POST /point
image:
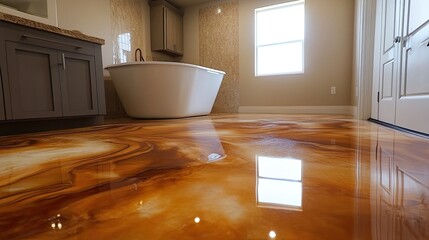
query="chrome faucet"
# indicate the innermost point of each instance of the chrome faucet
(140, 54)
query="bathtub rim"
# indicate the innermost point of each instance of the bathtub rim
(163, 63)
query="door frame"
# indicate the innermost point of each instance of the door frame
(365, 17)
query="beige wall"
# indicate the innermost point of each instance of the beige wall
(328, 56)
(89, 17)
(191, 44)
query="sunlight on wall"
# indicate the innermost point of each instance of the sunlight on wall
(127, 29)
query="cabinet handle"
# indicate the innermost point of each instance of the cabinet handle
(51, 41)
(64, 61)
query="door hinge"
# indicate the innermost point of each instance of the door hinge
(378, 96)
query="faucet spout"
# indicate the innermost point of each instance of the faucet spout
(138, 50)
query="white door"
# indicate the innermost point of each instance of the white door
(413, 104)
(389, 64)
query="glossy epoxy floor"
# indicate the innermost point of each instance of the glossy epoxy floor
(216, 177)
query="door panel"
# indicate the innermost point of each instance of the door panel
(78, 83)
(389, 24)
(389, 61)
(418, 10)
(388, 77)
(33, 81)
(414, 83)
(387, 93)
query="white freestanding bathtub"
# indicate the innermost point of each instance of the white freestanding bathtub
(165, 89)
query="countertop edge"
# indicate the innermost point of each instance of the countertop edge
(49, 28)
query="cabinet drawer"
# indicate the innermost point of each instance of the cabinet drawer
(29, 36)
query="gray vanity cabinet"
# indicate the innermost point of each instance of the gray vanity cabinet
(47, 75)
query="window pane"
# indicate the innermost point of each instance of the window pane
(281, 58)
(280, 24)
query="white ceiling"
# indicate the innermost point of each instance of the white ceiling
(187, 3)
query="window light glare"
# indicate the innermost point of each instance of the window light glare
(279, 182)
(279, 39)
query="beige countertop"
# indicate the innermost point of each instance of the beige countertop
(49, 28)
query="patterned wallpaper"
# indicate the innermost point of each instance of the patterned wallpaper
(127, 29)
(219, 39)
(128, 34)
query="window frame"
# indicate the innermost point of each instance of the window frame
(302, 41)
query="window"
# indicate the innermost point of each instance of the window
(44, 11)
(37, 8)
(279, 39)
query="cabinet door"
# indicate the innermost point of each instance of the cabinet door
(169, 29)
(78, 84)
(173, 31)
(33, 80)
(2, 116)
(178, 34)
(157, 24)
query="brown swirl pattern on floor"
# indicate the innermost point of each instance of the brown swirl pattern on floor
(205, 178)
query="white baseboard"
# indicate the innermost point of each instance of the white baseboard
(354, 111)
(342, 110)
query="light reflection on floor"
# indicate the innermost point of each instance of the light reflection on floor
(216, 177)
(279, 182)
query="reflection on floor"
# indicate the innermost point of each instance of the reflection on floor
(216, 177)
